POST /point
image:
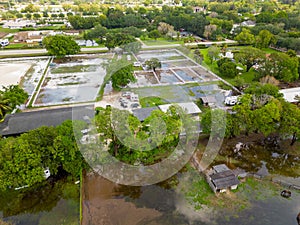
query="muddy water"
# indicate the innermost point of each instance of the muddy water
(164, 204)
(51, 203)
(111, 204)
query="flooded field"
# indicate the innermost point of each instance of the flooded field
(175, 69)
(51, 203)
(74, 81)
(160, 55)
(26, 72)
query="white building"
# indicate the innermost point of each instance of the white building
(289, 94)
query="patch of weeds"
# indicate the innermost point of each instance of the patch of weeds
(191, 93)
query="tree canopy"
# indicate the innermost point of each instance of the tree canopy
(24, 158)
(10, 97)
(60, 45)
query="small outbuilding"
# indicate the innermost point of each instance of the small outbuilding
(208, 100)
(222, 178)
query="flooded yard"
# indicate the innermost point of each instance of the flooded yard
(145, 78)
(160, 55)
(167, 77)
(78, 80)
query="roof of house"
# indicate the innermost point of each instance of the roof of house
(289, 94)
(143, 113)
(208, 99)
(19, 123)
(189, 107)
(224, 179)
(220, 168)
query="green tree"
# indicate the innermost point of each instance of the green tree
(290, 121)
(264, 39)
(154, 34)
(266, 118)
(122, 77)
(4, 107)
(213, 122)
(60, 45)
(260, 89)
(245, 37)
(244, 114)
(213, 53)
(228, 69)
(97, 32)
(153, 63)
(281, 66)
(10, 97)
(118, 39)
(249, 57)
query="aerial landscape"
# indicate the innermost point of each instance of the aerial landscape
(150, 112)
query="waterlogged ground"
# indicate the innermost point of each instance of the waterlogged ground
(51, 203)
(184, 199)
(187, 199)
(77, 80)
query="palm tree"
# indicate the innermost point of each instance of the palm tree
(4, 107)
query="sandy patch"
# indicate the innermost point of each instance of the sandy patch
(11, 73)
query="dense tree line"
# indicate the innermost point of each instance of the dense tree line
(259, 112)
(24, 158)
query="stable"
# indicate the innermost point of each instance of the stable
(222, 179)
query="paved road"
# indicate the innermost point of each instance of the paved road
(40, 51)
(43, 51)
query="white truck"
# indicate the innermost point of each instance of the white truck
(232, 100)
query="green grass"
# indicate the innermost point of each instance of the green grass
(7, 30)
(151, 101)
(161, 41)
(16, 46)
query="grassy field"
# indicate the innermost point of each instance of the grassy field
(247, 76)
(7, 30)
(160, 41)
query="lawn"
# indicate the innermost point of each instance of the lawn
(151, 101)
(161, 41)
(16, 46)
(247, 76)
(7, 30)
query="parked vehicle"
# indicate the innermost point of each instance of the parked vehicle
(4, 42)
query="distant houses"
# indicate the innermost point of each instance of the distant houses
(18, 24)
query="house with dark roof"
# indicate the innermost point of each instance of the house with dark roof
(18, 123)
(221, 179)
